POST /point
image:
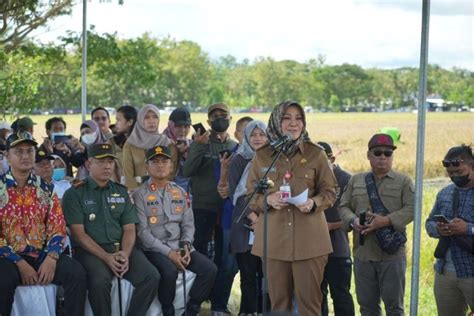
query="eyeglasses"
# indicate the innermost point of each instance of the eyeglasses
(378, 153)
(454, 163)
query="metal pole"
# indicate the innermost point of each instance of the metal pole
(420, 149)
(84, 61)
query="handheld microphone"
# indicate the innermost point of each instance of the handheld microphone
(362, 219)
(282, 141)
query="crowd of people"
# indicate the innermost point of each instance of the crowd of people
(145, 205)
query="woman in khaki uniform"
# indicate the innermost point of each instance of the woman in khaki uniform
(145, 135)
(298, 237)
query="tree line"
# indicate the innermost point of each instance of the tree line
(168, 72)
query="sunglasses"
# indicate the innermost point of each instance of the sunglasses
(378, 153)
(454, 163)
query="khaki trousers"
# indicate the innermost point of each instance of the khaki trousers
(300, 279)
(454, 296)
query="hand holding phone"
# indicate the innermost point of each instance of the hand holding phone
(225, 153)
(199, 128)
(58, 139)
(441, 219)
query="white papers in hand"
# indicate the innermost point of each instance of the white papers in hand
(299, 199)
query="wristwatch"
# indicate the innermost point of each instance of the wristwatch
(53, 255)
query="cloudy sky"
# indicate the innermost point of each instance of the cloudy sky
(370, 33)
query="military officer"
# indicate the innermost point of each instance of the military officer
(166, 225)
(102, 217)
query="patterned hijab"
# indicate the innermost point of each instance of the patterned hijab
(140, 138)
(245, 150)
(274, 131)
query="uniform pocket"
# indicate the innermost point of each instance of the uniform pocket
(306, 175)
(359, 190)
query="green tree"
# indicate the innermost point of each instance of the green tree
(18, 18)
(19, 81)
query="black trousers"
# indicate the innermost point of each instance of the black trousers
(204, 269)
(337, 275)
(69, 274)
(204, 222)
(251, 275)
(141, 273)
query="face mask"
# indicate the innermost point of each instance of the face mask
(89, 139)
(53, 135)
(460, 181)
(59, 174)
(220, 125)
(4, 165)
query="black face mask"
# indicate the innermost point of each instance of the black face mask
(220, 125)
(460, 181)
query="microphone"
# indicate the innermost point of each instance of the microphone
(282, 141)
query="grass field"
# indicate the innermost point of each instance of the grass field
(349, 133)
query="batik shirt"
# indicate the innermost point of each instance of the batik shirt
(31, 219)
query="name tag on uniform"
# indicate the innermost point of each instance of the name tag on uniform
(89, 202)
(264, 169)
(111, 199)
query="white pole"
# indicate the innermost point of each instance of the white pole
(420, 149)
(84, 61)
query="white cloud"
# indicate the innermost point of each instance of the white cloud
(365, 32)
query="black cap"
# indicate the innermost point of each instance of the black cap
(180, 116)
(25, 123)
(156, 151)
(327, 148)
(99, 151)
(42, 155)
(20, 137)
(381, 140)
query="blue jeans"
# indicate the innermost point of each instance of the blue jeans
(226, 270)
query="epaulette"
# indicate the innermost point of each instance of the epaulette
(120, 185)
(175, 185)
(77, 183)
(315, 145)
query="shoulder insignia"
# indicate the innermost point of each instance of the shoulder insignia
(120, 185)
(76, 183)
(315, 145)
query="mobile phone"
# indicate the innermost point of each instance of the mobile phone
(362, 220)
(200, 127)
(61, 138)
(441, 219)
(223, 152)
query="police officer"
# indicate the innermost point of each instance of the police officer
(32, 233)
(166, 225)
(100, 215)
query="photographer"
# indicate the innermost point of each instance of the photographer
(59, 143)
(379, 261)
(452, 222)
